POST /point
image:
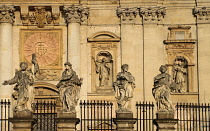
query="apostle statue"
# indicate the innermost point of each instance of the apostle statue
(161, 91)
(124, 87)
(180, 74)
(24, 79)
(103, 69)
(69, 89)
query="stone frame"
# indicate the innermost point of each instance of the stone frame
(103, 41)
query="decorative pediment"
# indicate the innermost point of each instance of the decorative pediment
(104, 36)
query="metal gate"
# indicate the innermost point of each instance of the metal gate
(4, 115)
(96, 116)
(45, 114)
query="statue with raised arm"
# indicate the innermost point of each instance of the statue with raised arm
(161, 91)
(69, 89)
(124, 87)
(24, 80)
(103, 69)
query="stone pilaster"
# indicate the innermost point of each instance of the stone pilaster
(6, 21)
(202, 14)
(67, 122)
(74, 15)
(127, 19)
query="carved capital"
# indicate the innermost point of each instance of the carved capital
(202, 14)
(152, 14)
(7, 14)
(127, 14)
(75, 14)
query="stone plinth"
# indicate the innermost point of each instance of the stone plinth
(67, 122)
(165, 121)
(125, 121)
(22, 121)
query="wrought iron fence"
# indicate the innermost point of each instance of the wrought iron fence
(96, 115)
(45, 114)
(193, 117)
(145, 116)
(4, 115)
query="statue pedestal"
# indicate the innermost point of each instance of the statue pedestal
(67, 121)
(124, 121)
(165, 121)
(22, 121)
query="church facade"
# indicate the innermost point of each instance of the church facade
(98, 36)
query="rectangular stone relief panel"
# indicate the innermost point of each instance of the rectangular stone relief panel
(47, 45)
(103, 67)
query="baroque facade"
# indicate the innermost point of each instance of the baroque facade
(98, 36)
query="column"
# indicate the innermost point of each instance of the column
(203, 52)
(151, 47)
(6, 21)
(74, 15)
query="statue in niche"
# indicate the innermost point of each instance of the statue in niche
(161, 90)
(24, 80)
(103, 68)
(179, 74)
(69, 89)
(124, 87)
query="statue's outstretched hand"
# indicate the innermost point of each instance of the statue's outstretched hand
(5, 83)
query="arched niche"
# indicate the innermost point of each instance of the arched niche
(104, 50)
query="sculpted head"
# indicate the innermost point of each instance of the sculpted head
(23, 66)
(68, 65)
(163, 69)
(125, 67)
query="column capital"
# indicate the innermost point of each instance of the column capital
(127, 14)
(152, 14)
(202, 14)
(7, 14)
(75, 13)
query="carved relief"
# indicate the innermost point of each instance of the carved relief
(202, 14)
(75, 13)
(7, 14)
(152, 14)
(47, 47)
(40, 16)
(127, 14)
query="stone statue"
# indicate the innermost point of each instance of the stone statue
(103, 69)
(161, 91)
(69, 89)
(179, 74)
(24, 80)
(124, 87)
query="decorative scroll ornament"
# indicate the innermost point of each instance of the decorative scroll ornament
(127, 13)
(75, 14)
(152, 13)
(7, 14)
(202, 13)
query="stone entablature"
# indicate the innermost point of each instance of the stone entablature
(202, 14)
(7, 14)
(75, 13)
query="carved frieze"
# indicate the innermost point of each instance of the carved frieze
(75, 13)
(40, 16)
(202, 14)
(152, 14)
(127, 14)
(7, 14)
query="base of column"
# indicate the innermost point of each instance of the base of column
(165, 121)
(67, 122)
(22, 121)
(125, 121)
